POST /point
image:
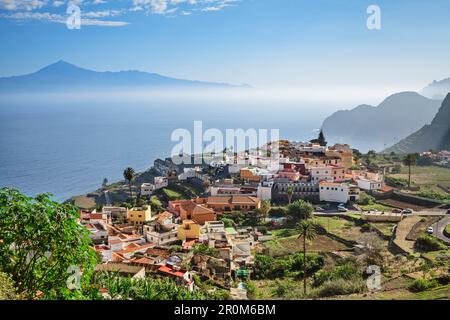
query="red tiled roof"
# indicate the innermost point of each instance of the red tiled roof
(171, 271)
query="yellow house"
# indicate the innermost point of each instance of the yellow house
(138, 216)
(342, 151)
(189, 230)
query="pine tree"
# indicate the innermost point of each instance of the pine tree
(321, 139)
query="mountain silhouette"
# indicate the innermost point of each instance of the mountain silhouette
(367, 127)
(435, 136)
(62, 76)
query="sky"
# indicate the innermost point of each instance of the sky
(265, 43)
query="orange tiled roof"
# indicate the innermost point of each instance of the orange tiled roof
(169, 270)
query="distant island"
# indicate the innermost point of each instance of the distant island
(64, 76)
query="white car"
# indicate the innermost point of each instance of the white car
(342, 209)
(407, 211)
(430, 230)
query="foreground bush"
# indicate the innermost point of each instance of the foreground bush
(339, 287)
(125, 288)
(42, 244)
(267, 267)
(426, 242)
(7, 290)
(420, 285)
(346, 271)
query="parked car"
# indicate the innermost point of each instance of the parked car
(408, 211)
(320, 209)
(342, 209)
(397, 211)
(430, 230)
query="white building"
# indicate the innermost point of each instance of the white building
(308, 147)
(115, 212)
(188, 173)
(264, 191)
(319, 174)
(147, 189)
(105, 252)
(161, 182)
(338, 192)
(370, 181)
(98, 232)
(163, 231)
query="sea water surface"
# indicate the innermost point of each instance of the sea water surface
(65, 148)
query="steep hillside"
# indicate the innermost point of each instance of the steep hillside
(435, 136)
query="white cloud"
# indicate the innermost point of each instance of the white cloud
(57, 3)
(22, 4)
(87, 20)
(170, 6)
(103, 23)
(54, 10)
(101, 14)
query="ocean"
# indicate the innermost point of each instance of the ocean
(66, 147)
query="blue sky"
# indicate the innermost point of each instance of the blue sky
(265, 43)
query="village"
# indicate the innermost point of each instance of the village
(232, 224)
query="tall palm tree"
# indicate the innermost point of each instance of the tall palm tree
(308, 231)
(129, 175)
(410, 160)
(265, 208)
(290, 193)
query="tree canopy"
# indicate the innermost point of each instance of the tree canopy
(42, 244)
(299, 209)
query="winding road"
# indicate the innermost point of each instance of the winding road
(439, 229)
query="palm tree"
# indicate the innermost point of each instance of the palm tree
(308, 231)
(290, 192)
(129, 174)
(265, 208)
(410, 160)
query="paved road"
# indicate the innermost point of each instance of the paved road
(439, 229)
(430, 213)
(402, 231)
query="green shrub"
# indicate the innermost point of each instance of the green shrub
(444, 280)
(420, 285)
(7, 288)
(339, 287)
(426, 242)
(227, 222)
(431, 194)
(277, 212)
(262, 229)
(366, 227)
(396, 182)
(366, 199)
(347, 271)
(267, 267)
